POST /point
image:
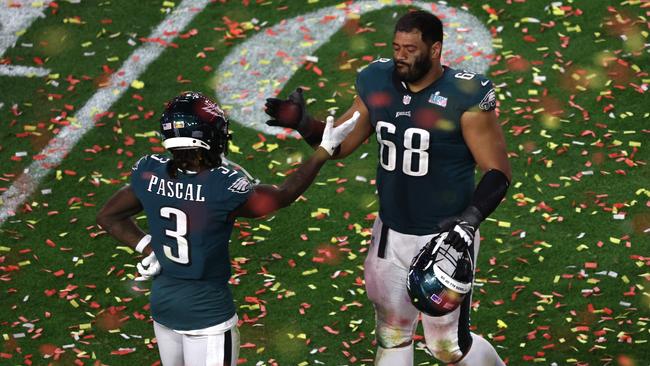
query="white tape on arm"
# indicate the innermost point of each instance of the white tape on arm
(143, 243)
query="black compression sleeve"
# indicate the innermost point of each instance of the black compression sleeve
(487, 196)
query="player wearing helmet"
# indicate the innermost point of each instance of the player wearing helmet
(191, 200)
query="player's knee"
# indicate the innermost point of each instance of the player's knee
(393, 338)
(445, 351)
(395, 331)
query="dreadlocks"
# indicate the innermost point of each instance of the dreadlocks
(191, 159)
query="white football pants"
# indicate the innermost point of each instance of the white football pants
(386, 270)
(197, 350)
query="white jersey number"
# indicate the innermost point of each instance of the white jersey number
(466, 75)
(183, 256)
(386, 146)
(388, 150)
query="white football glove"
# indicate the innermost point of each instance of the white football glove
(148, 268)
(333, 136)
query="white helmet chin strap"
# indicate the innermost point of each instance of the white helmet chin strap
(184, 142)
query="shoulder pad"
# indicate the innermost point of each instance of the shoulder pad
(382, 60)
(160, 158)
(235, 181)
(478, 90)
(143, 160)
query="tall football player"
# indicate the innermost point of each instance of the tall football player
(433, 126)
(191, 201)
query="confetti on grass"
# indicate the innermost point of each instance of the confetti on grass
(563, 272)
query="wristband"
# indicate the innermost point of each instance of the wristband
(143, 243)
(472, 216)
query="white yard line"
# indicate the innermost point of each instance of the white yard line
(16, 16)
(100, 102)
(28, 71)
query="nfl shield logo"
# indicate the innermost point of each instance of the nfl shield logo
(406, 100)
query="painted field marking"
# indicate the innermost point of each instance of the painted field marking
(101, 101)
(15, 17)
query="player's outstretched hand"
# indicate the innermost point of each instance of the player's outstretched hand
(288, 112)
(333, 136)
(148, 268)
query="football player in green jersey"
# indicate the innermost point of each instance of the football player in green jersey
(191, 200)
(433, 125)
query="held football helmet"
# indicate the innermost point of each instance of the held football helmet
(440, 277)
(192, 120)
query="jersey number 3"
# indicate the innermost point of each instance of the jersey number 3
(183, 256)
(388, 150)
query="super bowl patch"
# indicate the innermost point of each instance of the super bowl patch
(438, 99)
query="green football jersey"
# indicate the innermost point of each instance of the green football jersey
(425, 171)
(190, 230)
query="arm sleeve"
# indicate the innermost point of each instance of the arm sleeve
(360, 85)
(237, 192)
(364, 78)
(480, 94)
(138, 174)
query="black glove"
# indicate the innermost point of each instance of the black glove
(289, 113)
(462, 229)
(461, 235)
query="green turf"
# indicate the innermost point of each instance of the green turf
(553, 244)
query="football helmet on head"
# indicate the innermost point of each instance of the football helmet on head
(440, 277)
(192, 120)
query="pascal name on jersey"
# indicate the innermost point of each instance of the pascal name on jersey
(179, 190)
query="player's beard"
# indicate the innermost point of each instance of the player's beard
(415, 72)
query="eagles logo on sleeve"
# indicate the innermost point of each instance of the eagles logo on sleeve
(241, 185)
(137, 163)
(489, 101)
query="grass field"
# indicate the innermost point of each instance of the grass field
(563, 275)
